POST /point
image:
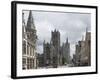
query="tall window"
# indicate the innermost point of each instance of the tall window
(33, 63)
(28, 49)
(33, 52)
(24, 47)
(24, 63)
(28, 63)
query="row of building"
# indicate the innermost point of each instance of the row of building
(54, 54)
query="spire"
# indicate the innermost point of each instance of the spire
(86, 29)
(67, 40)
(44, 42)
(55, 30)
(30, 22)
(23, 23)
(50, 41)
(23, 20)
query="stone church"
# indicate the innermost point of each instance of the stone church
(54, 54)
(29, 39)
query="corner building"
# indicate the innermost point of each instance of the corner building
(29, 39)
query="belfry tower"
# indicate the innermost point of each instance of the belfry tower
(55, 38)
(29, 56)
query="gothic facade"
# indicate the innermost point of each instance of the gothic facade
(66, 53)
(29, 39)
(54, 53)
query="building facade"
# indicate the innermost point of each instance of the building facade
(82, 55)
(29, 39)
(66, 53)
(86, 52)
(40, 60)
(52, 50)
(47, 54)
(54, 54)
(55, 40)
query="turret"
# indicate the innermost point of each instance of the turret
(30, 22)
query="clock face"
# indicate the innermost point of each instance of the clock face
(31, 36)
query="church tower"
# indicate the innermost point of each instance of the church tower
(66, 52)
(55, 38)
(30, 32)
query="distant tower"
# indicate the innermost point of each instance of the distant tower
(30, 32)
(86, 29)
(66, 52)
(67, 48)
(88, 47)
(88, 35)
(55, 38)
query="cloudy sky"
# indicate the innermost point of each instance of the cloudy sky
(71, 25)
